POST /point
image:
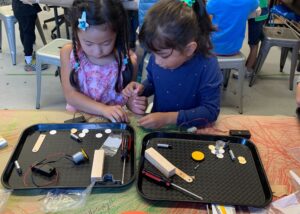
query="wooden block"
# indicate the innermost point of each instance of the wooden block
(161, 163)
(97, 168)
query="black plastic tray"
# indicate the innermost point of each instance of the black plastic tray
(220, 181)
(70, 175)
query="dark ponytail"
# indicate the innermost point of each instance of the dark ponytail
(173, 24)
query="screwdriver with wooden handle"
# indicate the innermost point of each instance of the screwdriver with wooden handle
(164, 182)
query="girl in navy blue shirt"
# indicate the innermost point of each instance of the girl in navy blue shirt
(183, 75)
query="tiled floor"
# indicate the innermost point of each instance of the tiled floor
(269, 96)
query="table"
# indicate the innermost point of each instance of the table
(276, 137)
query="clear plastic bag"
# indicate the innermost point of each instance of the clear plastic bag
(112, 144)
(66, 199)
(4, 195)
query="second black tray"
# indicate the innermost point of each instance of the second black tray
(220, 181)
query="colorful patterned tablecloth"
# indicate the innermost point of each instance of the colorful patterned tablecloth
(276, 137)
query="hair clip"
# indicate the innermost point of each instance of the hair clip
(76, 66)
(125, 60)
(82, 24)
(188, 2)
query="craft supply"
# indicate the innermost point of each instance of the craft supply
(38, 143)
(149, 108)
(3, 142)
(98, 164)
(220, 156)
(192, 129)
(211, 147)
(221, 151)
(126, 145)
(167, 183)
(196, 167)
(85, 131)
(44, 169)
(218, 149)
(53, 132)
(82, 135)
(80, 156)
(99, 135)
(198, 156)
(112, 144)
(73, 131)
(164, 166)
(107, 131)
(220, 144)
(75, 137)
(161, 163)
(242, 160)
(231, 154)
(221, 209)
(164, 145)
(18, 168)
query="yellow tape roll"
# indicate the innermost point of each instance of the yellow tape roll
(198, 156)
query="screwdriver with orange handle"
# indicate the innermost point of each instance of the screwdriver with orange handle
(164, 182)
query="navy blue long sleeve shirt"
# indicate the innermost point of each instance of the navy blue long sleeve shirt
(193, 90)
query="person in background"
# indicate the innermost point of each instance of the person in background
(132, 15)
(98, 64)
(183, 75)
(144, 6)
(255, 35)
(230, 18)
(26, 16)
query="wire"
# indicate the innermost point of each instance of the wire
(43, 162)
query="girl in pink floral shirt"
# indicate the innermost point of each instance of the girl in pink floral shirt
(98, 64)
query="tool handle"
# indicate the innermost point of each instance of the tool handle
(156, 178)
(125, 148)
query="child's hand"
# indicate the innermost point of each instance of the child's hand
(153, 120)
(115, 113)
(133, 89)
(137, 104)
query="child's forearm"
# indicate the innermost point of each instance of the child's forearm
(85, 104)
(171, 118)
(199, 116)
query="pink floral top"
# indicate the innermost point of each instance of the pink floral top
(98, 81)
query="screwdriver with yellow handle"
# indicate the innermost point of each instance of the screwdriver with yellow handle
(164, 182)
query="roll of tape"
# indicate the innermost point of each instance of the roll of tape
(80, 157)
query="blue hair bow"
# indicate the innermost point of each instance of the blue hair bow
(82, 24)
(76, 66)
(125, 60)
